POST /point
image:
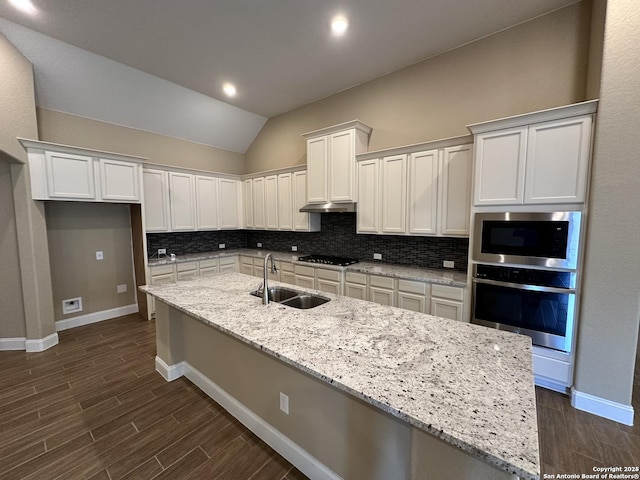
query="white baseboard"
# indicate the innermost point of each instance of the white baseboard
(12, 343)
(602, 407)
(41, 344)
(89, 318)
(169, 372)
(550, 384)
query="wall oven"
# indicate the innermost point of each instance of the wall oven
(538, 303)
(541, 239)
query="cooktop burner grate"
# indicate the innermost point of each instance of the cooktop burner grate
(328, 260)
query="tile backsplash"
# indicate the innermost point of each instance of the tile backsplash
(337, 237)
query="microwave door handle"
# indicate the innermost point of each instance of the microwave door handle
(531, 288)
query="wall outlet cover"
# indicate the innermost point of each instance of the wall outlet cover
(377, 256)
(449, 264)
(284, 403)
(121, 288)
(294, 248)
(221, 245)
(99, 255)
(71, 305)
(259, 245)
(162, 251)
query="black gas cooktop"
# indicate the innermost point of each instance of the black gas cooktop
(328, 260)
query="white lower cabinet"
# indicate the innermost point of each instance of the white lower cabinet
(447, 302)
(305, 276)
(381, 290)
(187, 271)
(413, 295)
(355, 285)
(329, 281)
(228, 264)
(208, 267)
(287, 273)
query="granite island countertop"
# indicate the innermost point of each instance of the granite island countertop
(430, 275)
(468, 385)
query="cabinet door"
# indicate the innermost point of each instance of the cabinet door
(381, 296)
(368, 193)
(230, 200)
(299, 200)
(181, 197)
(227, 268)
(156, 200)
(342, 166)
(499, 167)
(305, 282)
(441, 307)
(411, 301)
(288, 277)
(328, 286)
(205, 272)
(206, 203)
(455, 182)
(423, 192)
(246, 268)
(285, 202)
(70, 176)
(394, 194)
(247, 189)
(119, 181)
(258, 203)
(271, 201)
(558, 154)
(355, 290)
(188, 275)
(317, 174)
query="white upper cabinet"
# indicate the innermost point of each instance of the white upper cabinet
(62, 172)
(271, 201)
(156, 200)
(537, 158)
(259, 221)
(247, 203)
(302, 221)
(206, 203)
(285, 201)
(230, 199)
(416, 190)
(368, 218)
(181, 201)
(455, 190)
(331, 167)
(423, 192)
(394, 194)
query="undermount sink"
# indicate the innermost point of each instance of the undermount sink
(292, 298)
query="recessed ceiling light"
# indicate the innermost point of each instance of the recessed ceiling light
(229, 89)
(339, 25)
(24, 5)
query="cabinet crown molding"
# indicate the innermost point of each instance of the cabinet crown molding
(357, 124)
(417, 147)
(276, 171)
(89, 152)
(557, 113)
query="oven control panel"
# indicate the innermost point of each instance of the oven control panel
(525, 276)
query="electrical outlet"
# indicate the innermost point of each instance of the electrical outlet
(121, 288)
(284, 403)
(99, 255)
(294, 248)
(448, 264)
(377, 256)
(162, 251)
(71, 305)
(259, 245)
(221, 245)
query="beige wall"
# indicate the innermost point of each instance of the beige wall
(76, 231)
(535, 65)
(69, 129)
(596, 42)
(610, 310)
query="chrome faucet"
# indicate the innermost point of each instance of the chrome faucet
(265, 284)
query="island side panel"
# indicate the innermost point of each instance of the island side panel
(352, 438)
(432, 458)
(169, 335)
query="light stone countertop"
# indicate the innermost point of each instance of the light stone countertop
(443, 277)
(469, 385)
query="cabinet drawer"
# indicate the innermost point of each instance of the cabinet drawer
(444, 291)
(412, 286)
(204, 272)
(227, 261)
(286, 267)
(208, 263)
(161, 270)
(328, 274)
(246, 260)
(360, 278)
(381, 282)
(551, 368)
(306, 271)
(186, 267)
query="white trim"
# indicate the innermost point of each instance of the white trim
(41, 344)
(550, 384)
(17, 343)
(306, 463)
(602, 407)
(170, 372)
(94, 317)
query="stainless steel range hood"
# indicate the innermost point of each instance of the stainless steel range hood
(329, 207)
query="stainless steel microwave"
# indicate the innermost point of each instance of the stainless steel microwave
(521, 238)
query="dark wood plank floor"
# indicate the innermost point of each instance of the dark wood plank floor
(93, 407)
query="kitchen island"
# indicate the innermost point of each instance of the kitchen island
(375, 392)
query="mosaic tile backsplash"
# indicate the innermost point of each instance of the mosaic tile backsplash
(337, 237)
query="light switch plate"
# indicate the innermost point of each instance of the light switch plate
(377, 256)
(221, 245)
(448, 264)
(259, 245)
(294, 248)
(99, 255)
(121, 288)
(284, 403)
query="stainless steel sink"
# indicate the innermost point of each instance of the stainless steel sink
(292, 298)
(305, 301)
(277, 294)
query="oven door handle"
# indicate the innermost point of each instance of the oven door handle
(531, 288)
